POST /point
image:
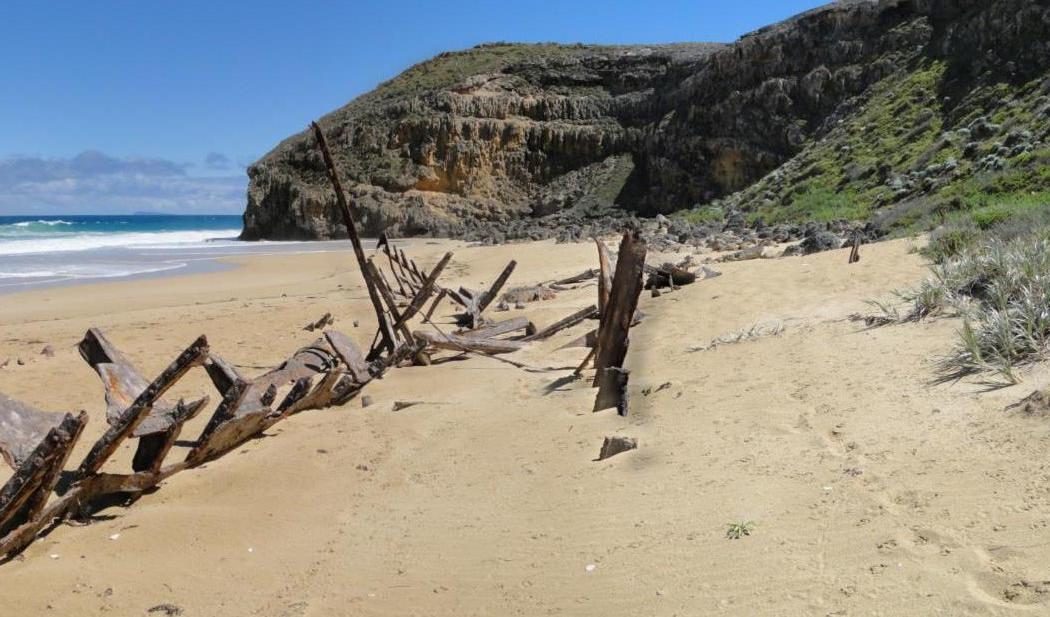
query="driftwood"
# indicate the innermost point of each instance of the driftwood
(568, 322)
(463, 343)
(501, 328)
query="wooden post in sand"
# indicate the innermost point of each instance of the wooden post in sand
(612, 342)
(388, 340)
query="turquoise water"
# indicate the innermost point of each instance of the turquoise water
(48, 250)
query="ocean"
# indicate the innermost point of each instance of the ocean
(38, 251)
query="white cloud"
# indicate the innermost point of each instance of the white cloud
(93, 182)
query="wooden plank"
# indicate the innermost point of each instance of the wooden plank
(22, 428)
(605, 275)
(462, 343)
(346, 208)
(623, 301)
(350, 354)
(487, 298)
(129, 420)
(566, 322)
(500, 328)
(26, 492)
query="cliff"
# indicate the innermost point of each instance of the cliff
(884, 109)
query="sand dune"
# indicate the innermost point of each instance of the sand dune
(870, 490)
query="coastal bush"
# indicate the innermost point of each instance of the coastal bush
(1001, 289)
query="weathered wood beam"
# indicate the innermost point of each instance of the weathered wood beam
(567, 322)
(605, 274)
(424, 292)
(346, 208)
(131, 417)
(623, 301)
(433, 307)
(22, 428)
(384, 293)
(462, 343)
(350, 354)
(493, 292)
(123, 383)
(500, 328)
(612, 390)
(26, 492)
(152, 449)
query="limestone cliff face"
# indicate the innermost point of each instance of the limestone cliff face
(503, 132)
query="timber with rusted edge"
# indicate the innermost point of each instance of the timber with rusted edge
(500, 328)
(26, 493)
(131, 417)
(614, 331)
(604, 276)
(123, 384)
(345, 207)
(453, 342)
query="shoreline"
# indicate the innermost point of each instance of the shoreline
(192, 261)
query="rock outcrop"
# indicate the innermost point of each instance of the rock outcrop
(517, 139)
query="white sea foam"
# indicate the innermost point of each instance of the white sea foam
(93, 272)
(41, 222)
(87, 241)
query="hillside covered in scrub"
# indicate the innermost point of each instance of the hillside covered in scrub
(897, 112)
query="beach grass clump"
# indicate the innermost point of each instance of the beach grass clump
(1001, 289)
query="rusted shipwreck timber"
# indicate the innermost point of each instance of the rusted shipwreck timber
(329, 371)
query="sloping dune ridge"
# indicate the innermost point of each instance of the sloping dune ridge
(870, 489)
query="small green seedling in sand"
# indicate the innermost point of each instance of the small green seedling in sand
(739, 530)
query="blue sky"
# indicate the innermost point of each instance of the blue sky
(113, 106)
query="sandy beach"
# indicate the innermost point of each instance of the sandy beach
(871, 490)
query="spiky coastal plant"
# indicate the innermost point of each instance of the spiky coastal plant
(1001, 289)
